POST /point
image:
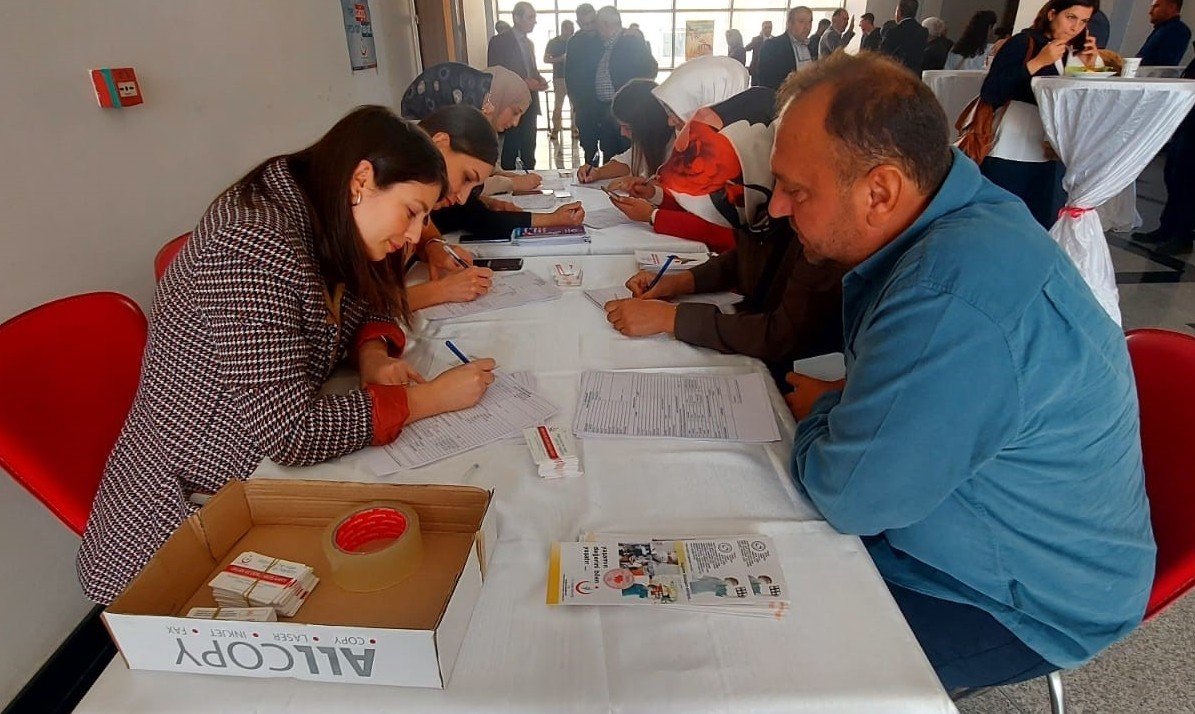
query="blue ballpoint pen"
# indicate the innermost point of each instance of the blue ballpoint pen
(663, 269)
(460, 355)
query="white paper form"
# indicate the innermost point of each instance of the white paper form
(506, 409)
(672, 406)
(507, 291)
(533, 202)
(599, 184)
(606, 217)
(723, 300)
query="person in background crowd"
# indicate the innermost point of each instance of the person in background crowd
(871, 34)
(971, 50)
(515, 51)
(1100, 28)
(580, 66)
(937, 46)
(985, 442)
(644, 122)
(287, 271)
(1174, 233)
(838, 35)
(906, 40)
(765, 34)
(1018, 161)
(634, 31)
(554, 54)
(501, 26)
(1168, 41)
(792, 51)
(815, 41)
(702, 174)
(734, 46)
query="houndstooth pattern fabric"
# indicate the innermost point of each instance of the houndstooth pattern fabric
(239, 345)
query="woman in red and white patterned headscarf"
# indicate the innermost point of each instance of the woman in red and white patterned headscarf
(285, 275)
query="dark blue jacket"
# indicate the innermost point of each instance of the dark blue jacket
(1166, 45)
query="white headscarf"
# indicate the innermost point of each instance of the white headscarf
(701, 82)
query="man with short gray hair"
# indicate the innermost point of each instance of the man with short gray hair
(790, 52)
(515, 51)
(838, 35)
(985, 443)
(937, 46)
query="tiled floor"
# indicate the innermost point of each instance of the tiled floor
(1153, 670)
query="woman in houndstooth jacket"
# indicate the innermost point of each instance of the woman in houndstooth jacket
(285, 275)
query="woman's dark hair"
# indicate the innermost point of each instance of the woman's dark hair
(1002, 31)
(398, 153)
(638, 108)
(974, 39)
(1042, 22)
(469, 132)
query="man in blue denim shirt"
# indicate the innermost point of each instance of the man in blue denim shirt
(985, 444)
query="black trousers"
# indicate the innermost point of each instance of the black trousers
(1178, 216)
(597, 129)
(519, 142)
(610, 135)
(1039, 185)
(586, 117)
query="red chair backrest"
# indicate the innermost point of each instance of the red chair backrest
(1164, 366)
(69, 370)
(166, 254)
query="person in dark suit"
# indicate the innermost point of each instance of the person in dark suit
(786, 53)
(907, 39)
(765, 34)
(815, 40)
(597, 66)
(871, 34)
(1174, 234)
(1100, 28)
(1168, 41)
(515, 51)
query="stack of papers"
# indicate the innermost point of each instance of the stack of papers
(735, 575)
(510, 290)
(653, 260)
(725, 301)
(675, 406)
(554, 451)
(256, 580)
(508, 407)
(244, 614)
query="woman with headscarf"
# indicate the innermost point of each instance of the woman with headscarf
(503, 98)
(743, 152)
(719, 176)
(500, 94)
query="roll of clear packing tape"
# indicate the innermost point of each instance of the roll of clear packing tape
(373, 546)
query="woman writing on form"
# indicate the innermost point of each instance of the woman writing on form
(285, 275)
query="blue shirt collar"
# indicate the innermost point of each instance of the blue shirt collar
(961, 184)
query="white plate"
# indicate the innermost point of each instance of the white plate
(1093, 75)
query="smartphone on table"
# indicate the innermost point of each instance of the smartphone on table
(499, 265)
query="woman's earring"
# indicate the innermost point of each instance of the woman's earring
(357, 200)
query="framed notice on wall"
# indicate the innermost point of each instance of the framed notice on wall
(358, 30)
(699, 38)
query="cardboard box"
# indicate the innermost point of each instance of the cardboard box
(406, 635)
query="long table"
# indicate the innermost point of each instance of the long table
(844, 646)
(615, 240)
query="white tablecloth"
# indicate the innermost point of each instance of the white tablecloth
(954, 90)
(1106, 132)
(1162, 71)
(843, 648)
(618, 240)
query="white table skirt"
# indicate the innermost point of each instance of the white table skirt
(1106, 132)
(954, 88)
(1162, 71)
(843, 648)
(617, 240)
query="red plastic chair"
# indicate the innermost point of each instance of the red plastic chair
(1164, 365)
(166, 254)
(69, 370)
